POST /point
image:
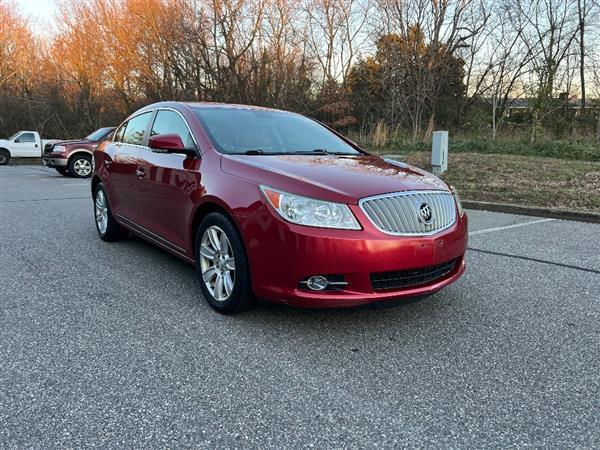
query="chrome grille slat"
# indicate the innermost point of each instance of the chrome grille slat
(398, 213)
(439, 205)
(405, 223)
(386, 212)
(381, 215)
(395, 214)
(444, 208)
(372, 214)
(409, 212)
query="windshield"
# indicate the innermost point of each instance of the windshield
(99, 134)
(14, 136)
(237, 130)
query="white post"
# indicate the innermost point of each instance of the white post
(439, 152)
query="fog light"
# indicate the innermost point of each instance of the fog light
(317, 283)
(324, 283)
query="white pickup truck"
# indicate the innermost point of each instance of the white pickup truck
(24, 144)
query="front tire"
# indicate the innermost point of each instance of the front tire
(222, 265)
(106, 225)
(4, 157)
(80, 166)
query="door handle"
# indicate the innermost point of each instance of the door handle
(140, 173)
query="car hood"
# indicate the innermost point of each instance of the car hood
(331, 177)
(76, 142)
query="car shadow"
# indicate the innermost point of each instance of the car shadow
(409, 315)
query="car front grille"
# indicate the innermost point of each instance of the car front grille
(381, 281)
(400, 213)
(48, 148)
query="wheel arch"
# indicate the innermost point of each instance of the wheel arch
(6, 154)
(80, 151)
(96, 180)
(202, 211)
(74, 156)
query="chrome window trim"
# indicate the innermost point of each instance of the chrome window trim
(154, 112)
(168, 108)
(406, 193)
(114, 136)
(151, 111)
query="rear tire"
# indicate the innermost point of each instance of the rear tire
(106, 225)
(80, 166)
(222, 265)
(4, 157)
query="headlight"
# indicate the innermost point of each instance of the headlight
(58, 149)
(457, 198)
(309, 211)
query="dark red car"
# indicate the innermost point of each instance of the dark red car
(274, 205)
(75, 157)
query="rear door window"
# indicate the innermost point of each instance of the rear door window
(135, 131)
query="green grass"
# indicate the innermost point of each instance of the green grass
(568, 150)
(524, 180)
(556, 174)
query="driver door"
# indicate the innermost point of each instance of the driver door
(164, 182)
(25, 145)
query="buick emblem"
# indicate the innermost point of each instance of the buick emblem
(425, 213)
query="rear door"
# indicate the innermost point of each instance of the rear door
(26, 145)
(130, 140)
(164, 184)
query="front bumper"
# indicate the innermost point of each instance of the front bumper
(55, 160)
(282, 255)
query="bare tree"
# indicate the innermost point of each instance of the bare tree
(551, 27)
(444, 32)
(337, 30)
(504, 60)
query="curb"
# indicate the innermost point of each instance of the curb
(563, 214)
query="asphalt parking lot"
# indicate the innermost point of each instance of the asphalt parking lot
(111, 345)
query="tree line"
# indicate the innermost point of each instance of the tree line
(372, 67)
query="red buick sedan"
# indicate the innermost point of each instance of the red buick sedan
(273, 205)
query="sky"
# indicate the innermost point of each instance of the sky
(38, 10)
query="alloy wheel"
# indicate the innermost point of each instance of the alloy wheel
(82, 167)
(217, 263)
(101, 209)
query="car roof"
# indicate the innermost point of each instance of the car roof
(229, 106)
(213, 105)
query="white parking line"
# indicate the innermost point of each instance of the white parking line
(507, 227)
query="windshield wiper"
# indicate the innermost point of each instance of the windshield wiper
(256, 151)
(318, 151)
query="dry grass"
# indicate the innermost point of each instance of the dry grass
(381, 135)
(521, 180)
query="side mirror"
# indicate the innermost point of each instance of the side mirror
(17, 141)
(169, 143)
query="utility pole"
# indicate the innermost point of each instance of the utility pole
(581, 10)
